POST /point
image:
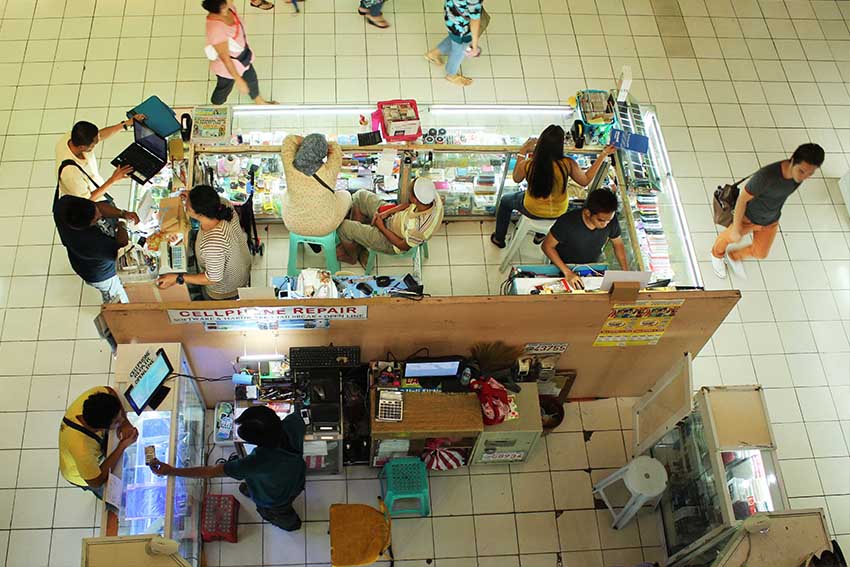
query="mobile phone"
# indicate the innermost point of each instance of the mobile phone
(150, 454)
(365, 288)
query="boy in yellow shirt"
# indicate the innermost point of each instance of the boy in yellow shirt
(83, 434)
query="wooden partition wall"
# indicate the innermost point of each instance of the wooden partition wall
(447, 325)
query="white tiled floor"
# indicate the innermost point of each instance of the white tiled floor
(736, 83)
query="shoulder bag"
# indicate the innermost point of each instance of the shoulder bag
(109, 226)
(724, 201)
(322, 183)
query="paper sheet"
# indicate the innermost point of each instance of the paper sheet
(114, 491)
(385, 163)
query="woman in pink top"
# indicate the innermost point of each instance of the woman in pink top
(234, 64)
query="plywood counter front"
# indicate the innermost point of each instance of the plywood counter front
(447, 326)
(432, 414)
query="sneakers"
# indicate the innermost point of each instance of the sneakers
(737, 267)
(459, 80)
(719, 266)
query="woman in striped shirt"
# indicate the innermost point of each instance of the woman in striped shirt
(221, 248)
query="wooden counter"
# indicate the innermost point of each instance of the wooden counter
(432, 414)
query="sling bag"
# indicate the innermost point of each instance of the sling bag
(724, 201)
(111, 224)
(322, 183)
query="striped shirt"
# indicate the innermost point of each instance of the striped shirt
(224, 257)
(415, 228)
(458, 15)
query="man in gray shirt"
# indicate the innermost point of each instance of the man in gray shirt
(759, 207)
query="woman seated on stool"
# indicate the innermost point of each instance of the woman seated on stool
(221, 247)
(547, 172)
(311, 206)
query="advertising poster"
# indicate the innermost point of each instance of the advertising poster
(637, 324)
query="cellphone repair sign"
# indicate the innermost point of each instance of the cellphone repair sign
(268, 314)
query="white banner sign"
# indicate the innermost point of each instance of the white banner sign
(259, 314)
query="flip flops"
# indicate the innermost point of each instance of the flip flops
(262, 5)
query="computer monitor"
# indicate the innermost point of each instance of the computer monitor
(150, 140)
(433, 368)
(149, 390)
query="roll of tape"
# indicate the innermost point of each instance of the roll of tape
(441, 140)
(428, 139)
(441, 132)
(432, 131)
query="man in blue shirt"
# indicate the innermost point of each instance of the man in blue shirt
(463, 21)
(274, 472)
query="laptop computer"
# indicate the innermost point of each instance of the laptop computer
(147, 155)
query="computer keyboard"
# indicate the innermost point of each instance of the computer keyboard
(145, 163)
(324, 357)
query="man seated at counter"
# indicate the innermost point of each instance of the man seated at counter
(274, 472)
(221, 247)
(391, 230)
(84, 180)
(93, 245)
(578, 236)
(82, 438)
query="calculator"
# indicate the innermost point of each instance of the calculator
(390, 405)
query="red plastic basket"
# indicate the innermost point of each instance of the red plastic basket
(218, 518)
(402, 138)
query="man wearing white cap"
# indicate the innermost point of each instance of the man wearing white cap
(391, 230)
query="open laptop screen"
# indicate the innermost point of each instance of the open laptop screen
(150, 140)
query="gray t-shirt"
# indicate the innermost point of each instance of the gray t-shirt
(770, 190)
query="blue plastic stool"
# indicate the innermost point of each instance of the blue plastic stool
(405, 478)
(414, 253)
(328, 243)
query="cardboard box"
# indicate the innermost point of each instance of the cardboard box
(172, 216)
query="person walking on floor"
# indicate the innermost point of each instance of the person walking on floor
(372, 11)
(274, 472)
(759, 207)
(542, 163)
(231, 59)
(463, 21)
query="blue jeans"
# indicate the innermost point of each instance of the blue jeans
(456, 52)
(111, 290)
(374, 9)
(97, 491)
(507, 205)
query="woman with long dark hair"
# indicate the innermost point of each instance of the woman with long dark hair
(541, 162)
(221, 248)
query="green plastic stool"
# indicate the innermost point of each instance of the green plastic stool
(405, 478)
(328, 243)
(414, 253)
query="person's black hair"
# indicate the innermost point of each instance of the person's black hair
(213, 6)
(205, 201)
(809, 153)
(547, 156)
(100, 409)
(76, 212)
(260, 426)
(83, 133)
(601, 201)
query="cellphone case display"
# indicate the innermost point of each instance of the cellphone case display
(167, 506)
(720, 458)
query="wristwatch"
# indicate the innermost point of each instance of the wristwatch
(124, 124)
(180, 279)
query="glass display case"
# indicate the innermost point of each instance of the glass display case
(471, 161)
(166, 506)
(719, 454)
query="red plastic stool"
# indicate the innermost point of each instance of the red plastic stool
(218, 518)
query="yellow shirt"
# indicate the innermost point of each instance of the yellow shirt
(556, 203)
(79, 454)
(416, 227)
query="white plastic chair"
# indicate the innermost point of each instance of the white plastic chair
(523, 228)
(645, 479)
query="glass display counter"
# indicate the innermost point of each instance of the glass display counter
(166, 506)
(471, 161)
(720, 460)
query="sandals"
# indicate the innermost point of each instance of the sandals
(262, 4)
(435, 59)
(497, 243)
(382, 23)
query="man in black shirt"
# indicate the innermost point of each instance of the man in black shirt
(578, 237)
(92, 251)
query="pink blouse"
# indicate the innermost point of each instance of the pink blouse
(220, 32)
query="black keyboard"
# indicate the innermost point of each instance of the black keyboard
(143, 162)
(324, 357)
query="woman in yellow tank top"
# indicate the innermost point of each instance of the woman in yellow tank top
(547, 173)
